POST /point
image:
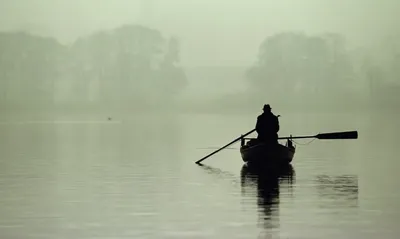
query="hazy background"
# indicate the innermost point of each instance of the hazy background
(214, 32)
(207, 49)
(91, 142)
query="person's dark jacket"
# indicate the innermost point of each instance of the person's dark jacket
(267, 126)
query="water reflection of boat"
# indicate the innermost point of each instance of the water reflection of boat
(342, 190)
(268, 186)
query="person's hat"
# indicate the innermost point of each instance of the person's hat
(267, 107)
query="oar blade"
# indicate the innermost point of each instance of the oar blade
(338, 135)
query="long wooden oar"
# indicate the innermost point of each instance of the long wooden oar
(234, 141)
(334, 135)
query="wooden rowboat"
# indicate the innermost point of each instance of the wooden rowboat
(259, 153)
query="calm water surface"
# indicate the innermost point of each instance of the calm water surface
(135, 177)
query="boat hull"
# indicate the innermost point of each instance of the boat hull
(268, 154)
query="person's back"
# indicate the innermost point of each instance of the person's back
(267, 126)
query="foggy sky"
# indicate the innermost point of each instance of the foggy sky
(213, 32)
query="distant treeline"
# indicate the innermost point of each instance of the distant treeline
(296, 70)
(136, 67)
(130, 66)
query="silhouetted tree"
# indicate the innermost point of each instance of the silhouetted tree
(28, 66)
(170, 70)
(132, 62)
(289, 60)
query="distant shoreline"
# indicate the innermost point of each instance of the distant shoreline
(206, 107)
(236, 103)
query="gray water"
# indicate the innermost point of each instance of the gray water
(135, 177)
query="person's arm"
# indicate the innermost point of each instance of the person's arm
(277, 124)
(258, 124)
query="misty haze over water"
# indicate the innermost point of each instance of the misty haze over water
(199, 54)
(105, 107)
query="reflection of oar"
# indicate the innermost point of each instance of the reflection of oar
(234, 141)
